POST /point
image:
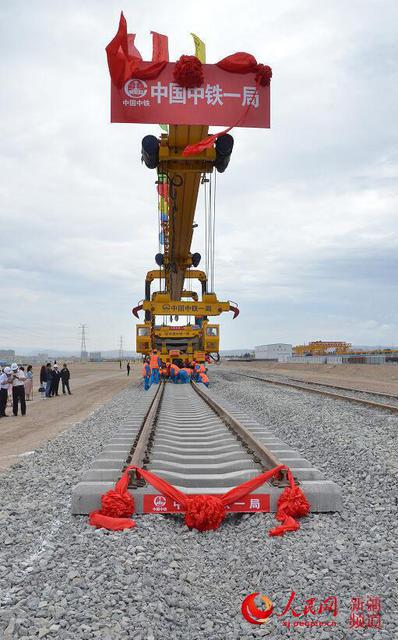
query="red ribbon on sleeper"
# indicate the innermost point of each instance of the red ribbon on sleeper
(202, 512)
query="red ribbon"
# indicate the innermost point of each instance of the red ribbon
(202, 512)
(123, 66)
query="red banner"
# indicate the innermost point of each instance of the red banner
(157, 503)
(220, 101)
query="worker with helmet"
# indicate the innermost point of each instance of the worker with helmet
(5, 381)
(18, 389)
(155, 364)
(174, 372)
(146, 374)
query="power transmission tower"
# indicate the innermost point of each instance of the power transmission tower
(83, 348)
(121, 349)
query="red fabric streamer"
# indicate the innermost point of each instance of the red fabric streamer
(97, 519)
(292, 504)
(131, 48)
(123, 66)
(160, 47)
(163, 190)
(188, 72)
(203, 512)
(206, 143)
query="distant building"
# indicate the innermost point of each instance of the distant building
(276, 352)
(7, 354)
(95, 356)
(83, 355)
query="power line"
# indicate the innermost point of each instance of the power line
(121, 348)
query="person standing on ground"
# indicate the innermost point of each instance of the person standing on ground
(18, 389)
(155, 363)
(43, 375)
(128, 368)
(65, 377)
(146, 374)
(5, 379)
(49, 378)
(29, 383)
(55, 380)
(120, 364)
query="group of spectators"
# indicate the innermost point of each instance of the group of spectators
(51, 376)
(16, 385)
(154, 369)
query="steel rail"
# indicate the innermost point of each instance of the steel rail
(335, 386)
(329, 394)
(266, 458)
(139, 449)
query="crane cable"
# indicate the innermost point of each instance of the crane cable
(214, 233)
(210, 193)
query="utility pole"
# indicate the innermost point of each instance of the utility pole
(121, 349)
(83, 348)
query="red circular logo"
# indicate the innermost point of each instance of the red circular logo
(252, 613)
(159, 501)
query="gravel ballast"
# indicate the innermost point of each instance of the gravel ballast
(60, 578)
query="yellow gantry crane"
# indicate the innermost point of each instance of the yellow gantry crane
(321, 348)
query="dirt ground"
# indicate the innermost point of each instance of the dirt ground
(367, 377)
(92, 384)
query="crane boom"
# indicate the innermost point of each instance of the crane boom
(188, 172)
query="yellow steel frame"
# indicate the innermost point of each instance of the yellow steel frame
(162, 305)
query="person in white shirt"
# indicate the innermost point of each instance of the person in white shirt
(5, 380)
(18, 389)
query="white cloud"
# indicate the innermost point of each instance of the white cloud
(297, 208)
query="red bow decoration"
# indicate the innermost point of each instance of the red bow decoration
(202, 512)
(188, 72)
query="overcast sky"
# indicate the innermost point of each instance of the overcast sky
(307, 237)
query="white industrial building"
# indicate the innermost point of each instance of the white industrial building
(279, 351)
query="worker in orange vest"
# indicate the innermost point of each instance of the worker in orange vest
(174, 372)
(146, 374)
(155, 364)
(202, 377)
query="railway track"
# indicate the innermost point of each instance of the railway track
(312, 387)
(183, 434)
